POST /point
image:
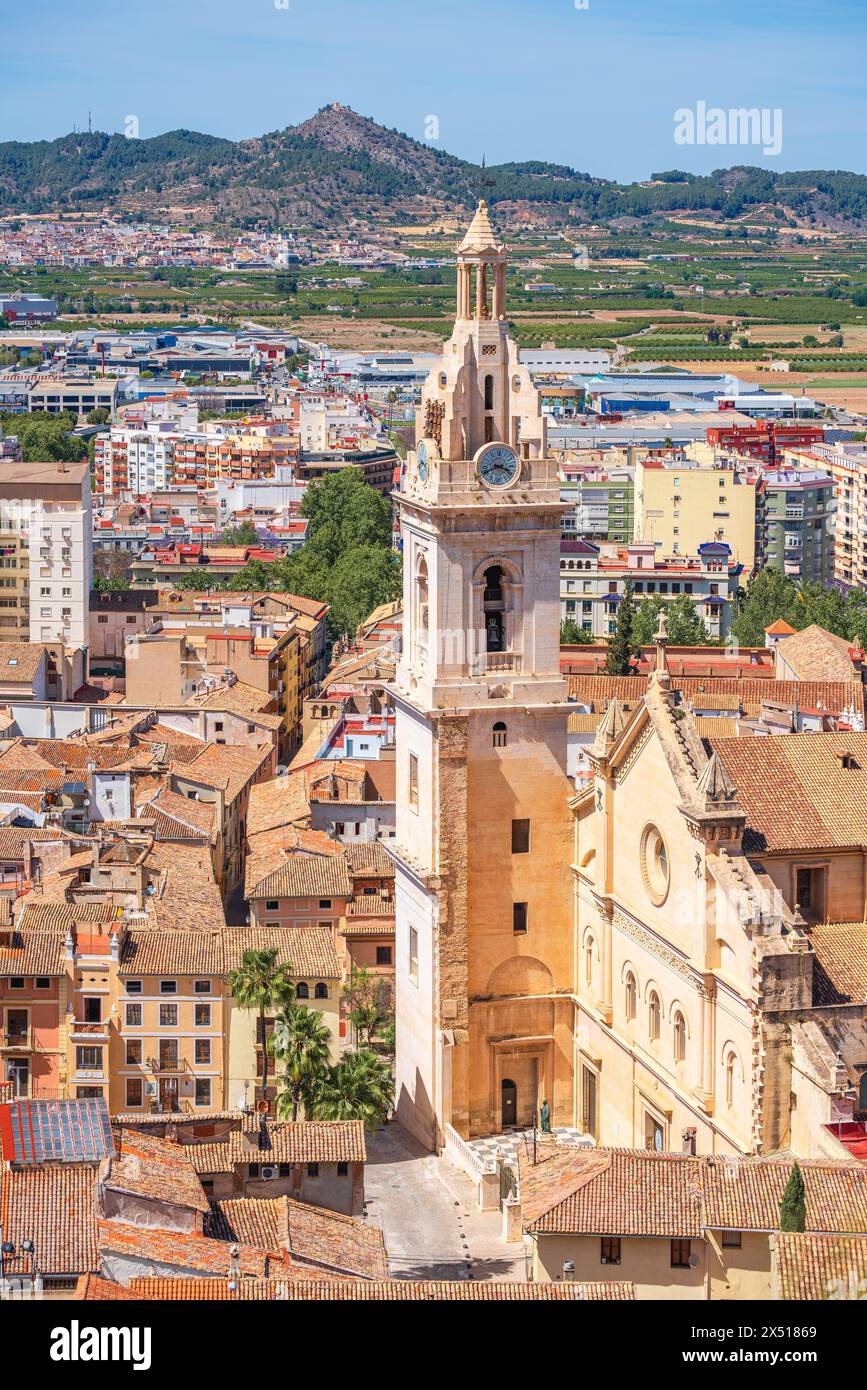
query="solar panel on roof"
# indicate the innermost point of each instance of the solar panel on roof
(70, 1131)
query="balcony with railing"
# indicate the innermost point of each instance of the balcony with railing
(17, 1039)
(500, 661)
(80, 1031)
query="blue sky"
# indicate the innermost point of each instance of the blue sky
(594, 88)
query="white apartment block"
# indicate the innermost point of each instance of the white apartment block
(50, 504)
(135, 460)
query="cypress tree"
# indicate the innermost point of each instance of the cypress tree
(793, 1208)
(621, 643)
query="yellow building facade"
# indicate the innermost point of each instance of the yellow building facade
(681, 504)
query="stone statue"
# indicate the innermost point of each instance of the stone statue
(545, 1117)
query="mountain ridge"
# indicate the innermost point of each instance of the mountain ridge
(338, 166)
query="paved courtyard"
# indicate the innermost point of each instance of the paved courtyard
(510, 1141)
(427, 1211)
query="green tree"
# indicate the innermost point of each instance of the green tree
(244, 534)
(769, 596)
(261, 983)
(99, 416)
(345, 512)
(363, 578)
(369, 1003)
(301, 1042)
(685, 627)
(621, 644)
(793, 1208)
(571, 635)
(359, 1087)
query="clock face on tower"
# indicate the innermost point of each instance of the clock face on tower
(497, 465)
(421, 464)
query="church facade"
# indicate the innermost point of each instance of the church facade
(614, 950)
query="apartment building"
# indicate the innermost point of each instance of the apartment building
(78, 395)
(847, 465)
(798, 523)
(680, 503)
(592, 578)
(46, 549)
(602, 504)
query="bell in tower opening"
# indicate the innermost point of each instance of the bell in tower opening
(494, 607)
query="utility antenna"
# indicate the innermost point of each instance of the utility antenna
(89, 124)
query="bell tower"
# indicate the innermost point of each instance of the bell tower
(481, 736)
(480, 511)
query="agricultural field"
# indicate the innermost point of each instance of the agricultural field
(691, 292)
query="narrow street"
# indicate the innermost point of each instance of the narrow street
(426, 1209)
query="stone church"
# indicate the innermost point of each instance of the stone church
(613, 949)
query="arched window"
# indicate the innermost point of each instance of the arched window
(421, 579)
(731, 1062)
(494, 606)
(653, 1015)
(301, 991)
(862, 1092)
(679, 1037)
(588, 960)
(321, 991)
(631, 996)
(499, 734)
(489, 392)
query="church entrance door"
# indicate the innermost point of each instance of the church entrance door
(509, 1106)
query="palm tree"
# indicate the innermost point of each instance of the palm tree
(260, 983)
(360, 1087)
(302, 1042)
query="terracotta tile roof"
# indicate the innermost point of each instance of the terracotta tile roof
(370, 905)
(300, 875)
(840, 968)
(796, 791)
(302, 1285)
(747, 1195)
(310, 1141)
(154, 951)
(18, 779)
(250, 1220)
(461, 1291)
(32, 952)
(308, 951)
(309, 1234)
(369, 859)
(716, 726)
(833, 694)
(306, 1141)
(818, 1267)
(188, 895)
(780, 627)
(20, 661)
(612, 1192)
(277, 803)
(181, 1249)
(37, 914)
(198, 816)
(155, 1168)
(14, 839)
(634, 1192)
(243, 699)
(55, 1206)
(246, 1290)
(228, 766)
(380, 929)
(92, 1289)
(814, 654)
